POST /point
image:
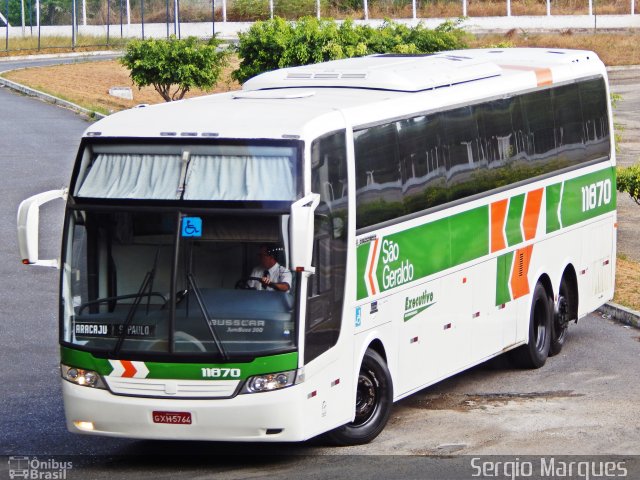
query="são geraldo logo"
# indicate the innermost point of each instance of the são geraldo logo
(392, 273)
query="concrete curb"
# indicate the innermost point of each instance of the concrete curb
(50, 99)
(48, 56)
(621, 314)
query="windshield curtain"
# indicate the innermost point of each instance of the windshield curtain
(239, 178)
(170, 283)
(133, 176)
(216, 173)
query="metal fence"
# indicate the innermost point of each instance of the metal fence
(49, 24)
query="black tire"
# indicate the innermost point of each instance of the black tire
(534, 354)
(561, 318)
(374, 399)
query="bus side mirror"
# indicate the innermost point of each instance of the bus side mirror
(28, 222)
(301, 232)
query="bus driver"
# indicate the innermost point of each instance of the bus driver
(272, 274)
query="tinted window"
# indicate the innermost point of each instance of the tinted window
(463, 151)
(378, 174)
(595, 118)
(326, 288)
(424, 161)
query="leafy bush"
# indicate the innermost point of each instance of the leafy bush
(174, 64)
(629, 181)
(276, 43)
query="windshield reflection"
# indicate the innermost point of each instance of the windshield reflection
(171, 283)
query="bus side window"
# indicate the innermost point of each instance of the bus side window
(424, 181)
(325, 293)
(539, 116)
(461, 138)
(568, 118)
(593, 100)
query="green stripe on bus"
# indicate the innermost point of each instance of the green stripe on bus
(184, 371)
(553, 201)
(451, 241)
(469, 235)
(588, 196)
(427, 249)
(85, 360)
(514, 218)
(502, 279)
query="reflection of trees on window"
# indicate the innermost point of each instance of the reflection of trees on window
(495, 130)
(377, 152)
(424, 161)
(568, 119)
(538, 113)
(595, 118)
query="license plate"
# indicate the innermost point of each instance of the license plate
(176, 418)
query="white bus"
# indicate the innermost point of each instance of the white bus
(426, 213)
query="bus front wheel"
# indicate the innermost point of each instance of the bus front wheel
(374, 397)
(534, 354)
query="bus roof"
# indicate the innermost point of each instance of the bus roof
(303, 102)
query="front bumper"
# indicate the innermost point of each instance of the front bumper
(268, 416)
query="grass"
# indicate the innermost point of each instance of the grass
(29, 45)
(627, 283)
(612, 48)
(87, 84)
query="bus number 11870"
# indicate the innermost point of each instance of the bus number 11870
(596, 194)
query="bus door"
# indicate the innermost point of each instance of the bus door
(325, 290)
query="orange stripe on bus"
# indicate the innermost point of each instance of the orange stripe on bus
(543, 75)
(129, 369)
(498, 215)
(371, 265)
(520, 273)
(532, 213)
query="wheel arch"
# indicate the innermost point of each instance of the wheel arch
(377, 345)
(569, 274)
(546, 283)
(374, 341)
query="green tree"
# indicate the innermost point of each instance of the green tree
(276, 43)
(174, 66)
(629, 181)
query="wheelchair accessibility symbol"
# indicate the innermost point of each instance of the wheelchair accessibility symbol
(191, 227)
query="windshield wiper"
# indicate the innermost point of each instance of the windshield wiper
(207, 318)
(147, 284)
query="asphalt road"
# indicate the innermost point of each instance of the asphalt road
(625, 82)
(584, 401)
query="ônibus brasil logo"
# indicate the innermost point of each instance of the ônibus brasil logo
(34, 468)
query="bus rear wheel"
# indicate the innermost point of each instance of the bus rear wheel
(534, 354)
(374, 398)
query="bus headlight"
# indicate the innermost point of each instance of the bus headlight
(79, 376)
(273, 381)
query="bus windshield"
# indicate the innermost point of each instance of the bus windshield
(175, 283)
